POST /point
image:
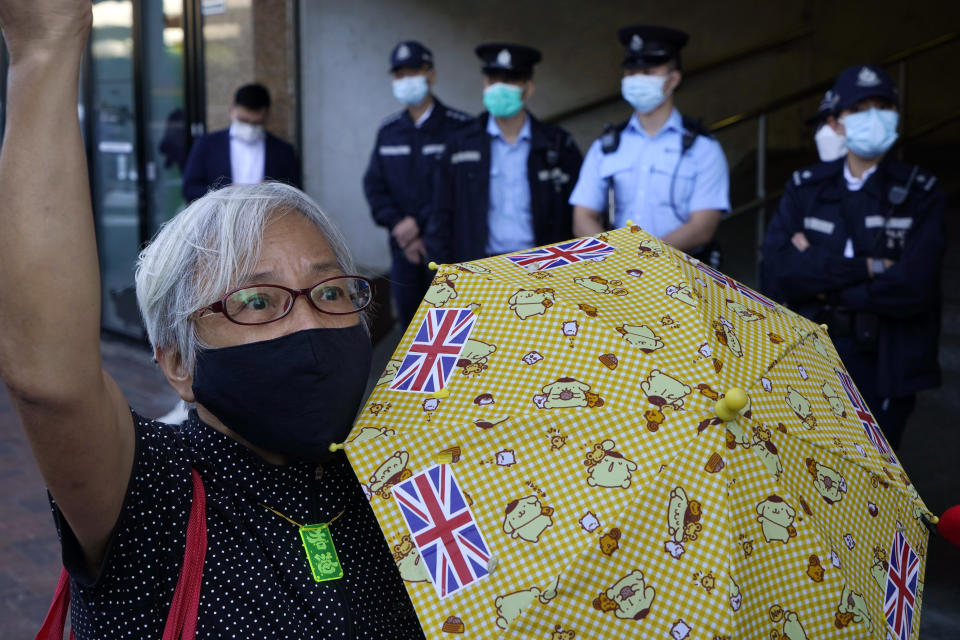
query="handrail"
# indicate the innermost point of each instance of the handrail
(693, 71)
(933, 126)
(820, 87)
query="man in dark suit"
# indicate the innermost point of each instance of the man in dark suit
(245, 153)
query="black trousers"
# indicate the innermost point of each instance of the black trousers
(408, 282)
(891, 412)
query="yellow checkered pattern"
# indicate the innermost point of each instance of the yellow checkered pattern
(586, 393)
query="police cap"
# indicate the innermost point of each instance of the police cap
(512, 59)
(649, 45)
(410, 54)
(827, 107)
(863, 81)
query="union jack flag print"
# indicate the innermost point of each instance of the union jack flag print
(435, 350)
(561, 255)
(901, 593)
(866, 418)
(730, 283)
(441, 525)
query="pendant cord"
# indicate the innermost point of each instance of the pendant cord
(294, 522)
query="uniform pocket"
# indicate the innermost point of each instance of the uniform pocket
(618, 171)
(673, 190)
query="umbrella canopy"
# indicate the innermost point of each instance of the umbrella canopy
(608, 438)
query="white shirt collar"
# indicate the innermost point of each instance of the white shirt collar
(854, 183)
(423, 117)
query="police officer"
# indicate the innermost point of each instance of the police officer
(857, 244)
(667, 173)
(398, 181)
(504, 180)
(830, 144)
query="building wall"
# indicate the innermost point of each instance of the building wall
(346, 89)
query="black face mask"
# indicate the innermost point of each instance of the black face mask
(293, 395)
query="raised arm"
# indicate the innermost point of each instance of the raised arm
(74, 415)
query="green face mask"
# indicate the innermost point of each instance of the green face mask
(503, 100)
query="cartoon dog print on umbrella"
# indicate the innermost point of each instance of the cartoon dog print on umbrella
(630, 598)
(607, 467)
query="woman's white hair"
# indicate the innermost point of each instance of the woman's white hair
(210, 248)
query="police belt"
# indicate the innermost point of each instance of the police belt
(839, 320)
(861, 326)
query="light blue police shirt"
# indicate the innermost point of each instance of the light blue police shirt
(641, 170)
(509, 218)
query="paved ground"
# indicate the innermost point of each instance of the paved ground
(29, 553)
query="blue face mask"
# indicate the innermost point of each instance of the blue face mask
(643, 92)
(411, 90)
(872, 132)
(503, 100)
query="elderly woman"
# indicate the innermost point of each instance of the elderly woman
(254, 316)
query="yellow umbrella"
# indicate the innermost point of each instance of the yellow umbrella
(606, 438)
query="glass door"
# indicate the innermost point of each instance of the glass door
(111, 120)
(138, 126)
(165, 135)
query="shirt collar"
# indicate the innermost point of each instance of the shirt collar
(674, 123)
(494, 129)
(854, 183)
(425, 115)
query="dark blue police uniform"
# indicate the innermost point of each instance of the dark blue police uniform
(886, 327)
(459, 228)
(483, 203)
(398, 183)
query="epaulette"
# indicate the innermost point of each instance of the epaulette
(917, 177)
(696, 127)
(925, 181)
(817, 172)
(610, 139)
(393, 117)
(459, 116)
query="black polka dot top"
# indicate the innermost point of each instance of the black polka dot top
(256, 579)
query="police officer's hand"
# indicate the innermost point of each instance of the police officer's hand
(415, 251)
(405, 231)
(800, 241)
(887, 263)
(44, 26)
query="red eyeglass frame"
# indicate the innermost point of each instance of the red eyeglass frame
(220, 305)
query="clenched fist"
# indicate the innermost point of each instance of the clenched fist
(44, 26)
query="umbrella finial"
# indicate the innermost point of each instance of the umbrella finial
(730, 404)
(334, 447)
(433, 266)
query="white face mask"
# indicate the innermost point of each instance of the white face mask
(411, 90)
(871, 133)
(247, 132)
(643, 92)
(830, 144)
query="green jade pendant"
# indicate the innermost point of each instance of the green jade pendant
(322, 556)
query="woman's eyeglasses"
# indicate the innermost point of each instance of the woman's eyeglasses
(265, 303)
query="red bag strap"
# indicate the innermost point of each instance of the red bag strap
(56, 619)
(182, 619)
